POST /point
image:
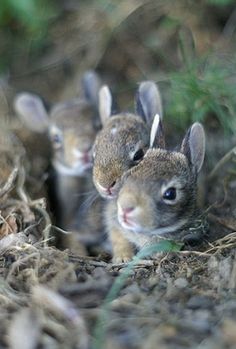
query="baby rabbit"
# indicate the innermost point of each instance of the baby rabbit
(72, 127)
(124, 138)
(158, 196)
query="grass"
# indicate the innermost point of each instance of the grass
(24, 28)
(220, 2)
(202, 90)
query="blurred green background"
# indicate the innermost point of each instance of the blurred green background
(188, 47)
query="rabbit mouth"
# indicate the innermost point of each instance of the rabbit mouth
(106, 193)
(84, 156)
(108, 196)
(129, 224)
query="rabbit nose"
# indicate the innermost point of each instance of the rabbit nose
(127, 210)
(127, 213)
(109, 189)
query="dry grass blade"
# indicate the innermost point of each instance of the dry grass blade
(24, 330)
(227, 242)
(47, 219)
(38, 205)
(91, 261)
(61, 307)
(10, 296)
(226, 158)
(229, 222)
(8, 186)
(32, 259)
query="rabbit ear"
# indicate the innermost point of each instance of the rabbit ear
(105, 103)
(193, 145)
(32, 111)
(148, 101)
(91, 84)
(157, 139)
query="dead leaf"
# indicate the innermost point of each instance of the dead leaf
(9, 226)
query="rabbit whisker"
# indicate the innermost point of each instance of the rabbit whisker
(88, 202)
(88, 193)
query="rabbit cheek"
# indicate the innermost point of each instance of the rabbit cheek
(69, 145)
(171, 218)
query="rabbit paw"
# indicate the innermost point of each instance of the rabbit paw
(122, 256)
(78, 249)
(122, 249)
(75, 246)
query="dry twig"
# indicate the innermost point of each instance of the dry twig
(8, 186)
(227, 157)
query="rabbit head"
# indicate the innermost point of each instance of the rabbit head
(124, 138)
(72, 125)
(158, 197)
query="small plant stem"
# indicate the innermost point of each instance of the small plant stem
(227, 157)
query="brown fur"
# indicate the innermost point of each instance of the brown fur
(151, 216)
(112, 150)
(122, 136)
(75, 122)
(122, 248)
(72, 128)
(142, 188)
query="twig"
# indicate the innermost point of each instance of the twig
(196, 253)
(39, 205)
(4, 220)
(22, 261)
(8, 186)
(229, 237)
(229, 223)
(60, 230)
(20, 186)
(48, 223)
(87, 260)
(227, 157)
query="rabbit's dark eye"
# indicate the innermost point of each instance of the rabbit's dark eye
(57, 140)
(138, 155)
(170, 194)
